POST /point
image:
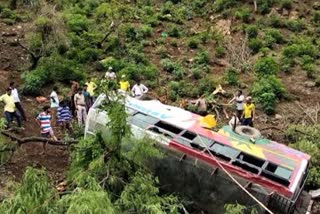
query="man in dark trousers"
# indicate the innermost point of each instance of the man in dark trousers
(15, 95)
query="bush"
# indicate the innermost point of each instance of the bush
(232, 77)
(77, 23)
(220, 51)
(193, 43)
(266, 66)
(174, 31)
(295, 25)
(197, 72)
(275, 21)
(6, 13)
(276, 35)
(310, 69)
(251, 31)
(221, 5)
(316, 17)
(266, 91)
(89, 55)
(206, 85)
(116, 64)
(286, 4)
(264, 6)
(162, 52)
(168, 65)
(202, 58)
(145, 30)
(243, 14)
(255, 45)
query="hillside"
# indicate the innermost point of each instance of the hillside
(180, 50)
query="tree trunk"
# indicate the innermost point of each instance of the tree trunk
(13, 4)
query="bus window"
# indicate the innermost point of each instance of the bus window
(142, 120)
(279, 171)
(168, 127)
(251, 159)
(189, 135)
(224, 150)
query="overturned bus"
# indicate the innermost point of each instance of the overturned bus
(197, 159)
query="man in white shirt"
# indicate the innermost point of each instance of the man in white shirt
(54, 104)
(110, 75)
(138, 90)
(15, 95)
(239, 100)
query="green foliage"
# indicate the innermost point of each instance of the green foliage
(220, 51)
(306, 139)
(264, 6)
(286, 4)
(169, 65)
(266, 66)
(8, 14)
(87, 201)
(296, 25)
(238, 209)
(316, 17)
(201, 58)
(174, 30)
(243, 14)
(33, 195)
(276, 35)
(232, 77)
(255, 45)
(141, 196)
(193, 43)
(77, 23)
(54, 68)
(221, 5)
(251, 31)
(266, 91)
(275, 21)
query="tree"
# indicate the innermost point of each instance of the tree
(46, 36)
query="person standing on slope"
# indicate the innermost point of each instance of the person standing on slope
(139, 90)
(54, 100)
(44, 121)
(15, 95)
(10, 108)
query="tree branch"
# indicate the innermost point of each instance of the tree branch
(35, 58)
(111, 28)
(37, 139)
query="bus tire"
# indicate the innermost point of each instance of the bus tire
(248, 131)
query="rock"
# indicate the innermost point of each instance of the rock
(285, 12)
(19, 26)
(221, 62)
(224, 25)
(278, 117)
(314, 193)
(309, 84)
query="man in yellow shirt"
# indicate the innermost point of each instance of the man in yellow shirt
(124, 84)
(91, 86)
(10, 108)
(248, 112)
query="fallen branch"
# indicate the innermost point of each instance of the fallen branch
(38, 139)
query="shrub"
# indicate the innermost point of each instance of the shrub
(264, 6)
(146, 31)
(206, 85)
(168, 65)
(6, 13)
(89, 55)
(174, 31)
(286, 4)
(162, 51)
(276, 35)
(193, 43)
(116, 64)
(220, 51)
(221, 5)
(266, 66)
(266, 91)
(316, 17)
(251, 31)
(310, 69)
(275, 21)
(77, 23)
(232, 77)
(269, 41)
(202, 58)
(295, 25)
(33, 82)
(243, 14)
(197, 72)
(255, 45)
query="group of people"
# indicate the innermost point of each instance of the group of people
(138, 91)
(245, 109)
